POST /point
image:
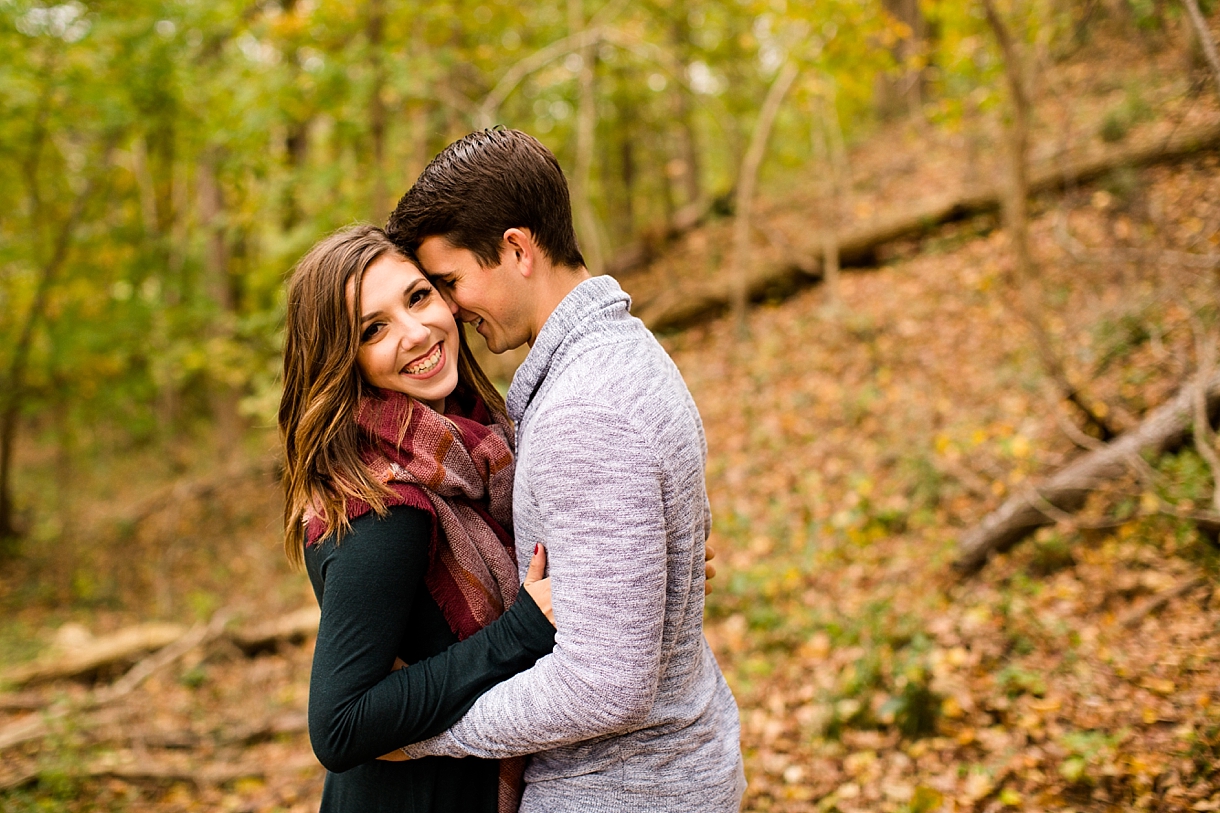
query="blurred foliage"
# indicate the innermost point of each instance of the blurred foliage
(165, 163)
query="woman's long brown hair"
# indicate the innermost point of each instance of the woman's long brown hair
(323, 387)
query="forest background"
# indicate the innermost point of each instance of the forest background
(1030, 185)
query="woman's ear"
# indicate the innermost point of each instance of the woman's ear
(520, 242)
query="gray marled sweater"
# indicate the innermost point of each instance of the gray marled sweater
(630, 711)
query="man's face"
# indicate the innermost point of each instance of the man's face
(491, 299)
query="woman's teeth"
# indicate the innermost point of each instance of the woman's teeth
(427, 364)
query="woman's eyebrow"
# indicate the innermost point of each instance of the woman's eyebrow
(411, 286)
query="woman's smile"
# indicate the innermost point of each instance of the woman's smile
(428, 364)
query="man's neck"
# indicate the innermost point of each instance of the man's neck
(555, 283)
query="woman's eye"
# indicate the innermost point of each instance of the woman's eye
(371, 331)
(419, 295)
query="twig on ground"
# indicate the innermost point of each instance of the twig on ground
(37, 727)
(1205, 438)
(1139, 613)
(1205, 39)
(198, 635)
(1053, 512)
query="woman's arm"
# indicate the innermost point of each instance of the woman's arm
(367, 586)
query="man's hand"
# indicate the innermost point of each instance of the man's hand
(539, 587)
(709, 570)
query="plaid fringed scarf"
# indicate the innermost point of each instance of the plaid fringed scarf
(462, 462)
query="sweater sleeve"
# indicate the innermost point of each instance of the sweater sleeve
(358, 708)
(599, 492)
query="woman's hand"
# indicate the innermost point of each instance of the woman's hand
(537, 586)
(709, 570)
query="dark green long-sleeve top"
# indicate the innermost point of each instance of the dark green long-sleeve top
(375, 606)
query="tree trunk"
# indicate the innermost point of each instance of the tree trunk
(833, 153)
(904, 93)
(218, 286)
(627, 164)
(1205, 39)
(586, 126)
(377, 111)
(146, 187)
(1016, 222)
(1162, 430)
(688, 145)
(1016, 201)
(14, 381)
(747, 180)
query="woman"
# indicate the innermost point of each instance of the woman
(398, 479)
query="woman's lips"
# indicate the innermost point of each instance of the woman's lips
(427, 365)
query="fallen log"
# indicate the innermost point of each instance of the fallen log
(858, 245)
(1163, 430)
(23, 776)
(125, 645)
(295, 627)
(26, 701)
(144, 771)
(650, 244)
(288, 723)
(168, 641)
(36, 727)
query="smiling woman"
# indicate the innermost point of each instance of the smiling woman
(409, 340)
(398, 461)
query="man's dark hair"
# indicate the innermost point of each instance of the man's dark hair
(482, 185)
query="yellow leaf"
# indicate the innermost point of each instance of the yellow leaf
(951, 708)
(1159, 685)
(978, 785)
(1010, 797)
(926, 800)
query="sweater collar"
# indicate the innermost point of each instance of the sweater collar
(592, 301)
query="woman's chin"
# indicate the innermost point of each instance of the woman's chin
(440, 388)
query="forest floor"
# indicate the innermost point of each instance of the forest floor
(850, 446)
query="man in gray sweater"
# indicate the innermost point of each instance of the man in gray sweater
(630, 711)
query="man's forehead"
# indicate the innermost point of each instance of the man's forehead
(442, 257)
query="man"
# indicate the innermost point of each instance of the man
(630, 711)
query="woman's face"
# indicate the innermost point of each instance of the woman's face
(408, 337)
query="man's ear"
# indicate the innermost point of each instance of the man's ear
(519, 246)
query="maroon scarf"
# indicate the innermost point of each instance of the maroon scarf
(458, 467)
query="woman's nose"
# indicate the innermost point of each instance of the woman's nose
(414, 333)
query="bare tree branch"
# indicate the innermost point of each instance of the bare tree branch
(747, 180)
(1205, 39)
